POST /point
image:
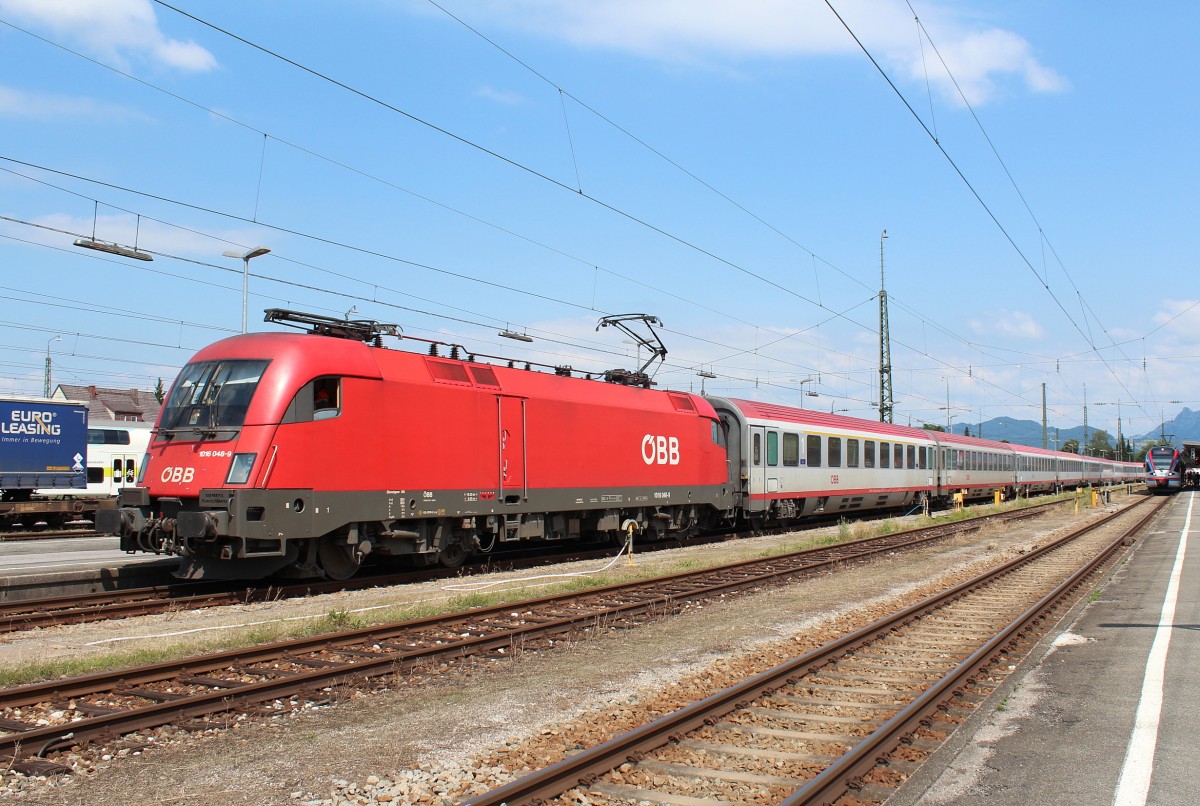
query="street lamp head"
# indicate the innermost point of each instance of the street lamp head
(245, 257)
(884, 235)
(257, 251)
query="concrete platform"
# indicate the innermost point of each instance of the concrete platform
(61, 567)
(1066, 727)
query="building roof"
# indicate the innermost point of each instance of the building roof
(112, 404)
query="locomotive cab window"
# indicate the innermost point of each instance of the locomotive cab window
(319, 399)
(327, 398)
(211, 396)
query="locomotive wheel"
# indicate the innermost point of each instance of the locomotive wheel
(338, 559)
(453, 555)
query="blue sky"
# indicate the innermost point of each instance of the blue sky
(533, 165)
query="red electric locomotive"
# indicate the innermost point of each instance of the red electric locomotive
(300, 454)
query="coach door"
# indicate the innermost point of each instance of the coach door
(124, 472)
(511, 423)
(758, 467)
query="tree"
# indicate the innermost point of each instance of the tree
(966, 430)
(1100, 444)
(1071, 446)
(932, 427)
(1145, 449)
(159, 392)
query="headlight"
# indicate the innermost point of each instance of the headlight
(239, 470)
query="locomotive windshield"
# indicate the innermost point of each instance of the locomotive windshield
(211, 396)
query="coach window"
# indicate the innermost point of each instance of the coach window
(912, 456)
(868, 453)
(772, 448)
(885, 454)
(756, 450)
(791, 450)
(835, 451)
(924, 458)
(814, 450)
(899, 460)
(852, 453)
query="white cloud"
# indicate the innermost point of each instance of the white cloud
(114, 30)
(506, 97)
(977, 60)
(15, 103)
(1016, 324)
(705, 32)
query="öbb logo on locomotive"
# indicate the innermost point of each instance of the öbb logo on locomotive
(177, 475)
(660, 450)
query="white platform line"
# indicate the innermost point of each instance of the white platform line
(1133, 788)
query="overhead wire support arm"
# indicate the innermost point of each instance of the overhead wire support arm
(652, 343)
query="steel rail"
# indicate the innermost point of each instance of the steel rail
(585, 767)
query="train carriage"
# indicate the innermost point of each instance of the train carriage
(795, 462)
(1165, 469)
(976, 468)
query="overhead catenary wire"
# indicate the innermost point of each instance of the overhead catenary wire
(552, 84)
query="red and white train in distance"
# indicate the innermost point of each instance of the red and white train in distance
(1166, 469)
(307, 454)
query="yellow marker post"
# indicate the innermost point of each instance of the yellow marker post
(630, 528)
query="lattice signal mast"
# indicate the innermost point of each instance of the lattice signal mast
(885, 346)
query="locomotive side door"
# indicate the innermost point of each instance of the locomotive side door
(511, 425)
(758, 467)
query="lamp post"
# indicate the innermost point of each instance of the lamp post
(947, 380)
(886, 404)
(245, 257)
(46, 385)
(809, 379)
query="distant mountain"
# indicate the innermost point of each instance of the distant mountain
(1185, 426)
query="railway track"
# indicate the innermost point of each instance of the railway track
(47, 534)
(847, 722)
(39, 719)
(28, 614)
